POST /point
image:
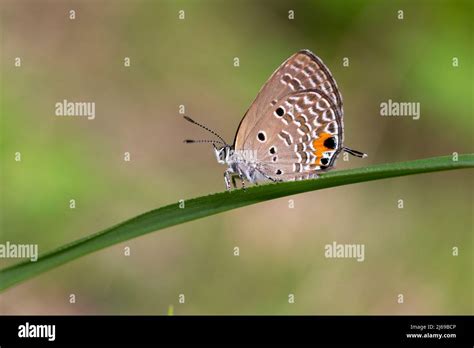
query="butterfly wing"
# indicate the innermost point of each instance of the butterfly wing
(299, 142)
(302, 71)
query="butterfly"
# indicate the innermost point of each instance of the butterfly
(292, 131)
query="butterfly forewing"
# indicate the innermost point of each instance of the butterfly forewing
(302, 71)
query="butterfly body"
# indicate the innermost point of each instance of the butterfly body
(292, 131)
(239, 165)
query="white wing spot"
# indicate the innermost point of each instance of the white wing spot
(322, 104)
(328, 115)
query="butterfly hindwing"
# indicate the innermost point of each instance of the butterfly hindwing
(299, 137)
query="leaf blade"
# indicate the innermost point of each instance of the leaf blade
(200, 207)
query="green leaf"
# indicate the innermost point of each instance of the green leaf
(200, 207)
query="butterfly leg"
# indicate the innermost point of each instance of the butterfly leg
(230, 176)
(227, 176)
(234, 184)
(243, 181)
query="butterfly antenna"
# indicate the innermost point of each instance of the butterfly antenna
(354, 152)
(192, 141)
(187, 118)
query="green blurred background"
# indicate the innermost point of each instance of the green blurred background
(190, 62)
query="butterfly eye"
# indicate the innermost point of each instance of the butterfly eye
(280, 111)
(324, 161)
(261, 136)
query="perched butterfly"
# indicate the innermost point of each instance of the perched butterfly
(292, 131)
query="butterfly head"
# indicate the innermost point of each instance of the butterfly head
(222, 150)
(223, 154)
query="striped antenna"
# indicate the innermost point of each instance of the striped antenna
(189, 119)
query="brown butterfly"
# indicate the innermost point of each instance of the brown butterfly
(292, 131)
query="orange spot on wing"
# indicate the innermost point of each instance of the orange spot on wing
(318, 144)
